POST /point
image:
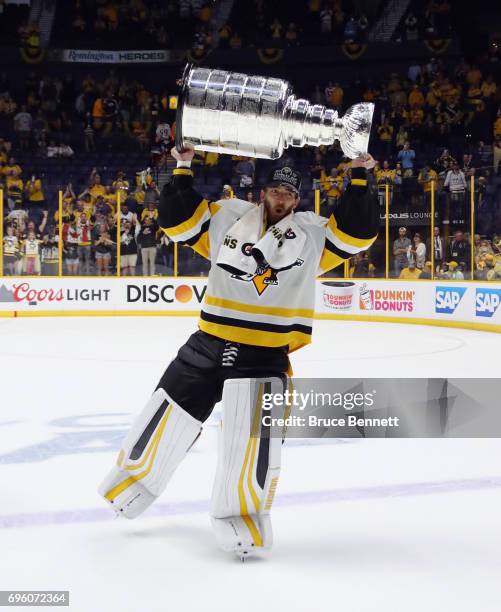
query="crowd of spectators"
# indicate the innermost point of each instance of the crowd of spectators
(53, 116)
(422, 20)
(180, 24)
(90, 233)
(451, 257)
(125, 24)
(431, 107)
(435, 126)
(281, 24)
(90, 228)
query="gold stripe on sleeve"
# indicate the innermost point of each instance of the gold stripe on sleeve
(329, 260)
(201, 246)
(192, 222)
(361, 243)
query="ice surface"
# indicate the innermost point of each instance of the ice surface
(393, 525)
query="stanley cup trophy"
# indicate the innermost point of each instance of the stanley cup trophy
(255, 116)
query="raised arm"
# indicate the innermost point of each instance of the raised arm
(44, 221)
(84, 192)
(354, 225)
(183, 214)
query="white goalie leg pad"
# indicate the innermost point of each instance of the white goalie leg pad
(156, 444)
(248, 466)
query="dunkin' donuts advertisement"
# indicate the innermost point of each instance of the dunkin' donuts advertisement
(369, 297)
(348, 296)
(468, 302)
(374, 297)
(338, 295)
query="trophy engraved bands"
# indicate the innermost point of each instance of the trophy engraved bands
(255, 116)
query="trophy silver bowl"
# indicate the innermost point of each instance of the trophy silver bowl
(255, 116)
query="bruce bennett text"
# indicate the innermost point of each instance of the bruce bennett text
(315, 421)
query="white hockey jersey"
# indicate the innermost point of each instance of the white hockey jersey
(274, 308)
(455, 181)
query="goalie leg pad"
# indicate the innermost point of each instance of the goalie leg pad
(248, 466)
(156, 444)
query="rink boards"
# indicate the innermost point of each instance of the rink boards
(462, 304)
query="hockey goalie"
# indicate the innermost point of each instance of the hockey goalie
(257, 309)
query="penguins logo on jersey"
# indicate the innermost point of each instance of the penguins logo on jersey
(262, 279)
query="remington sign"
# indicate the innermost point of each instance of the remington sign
(92, 56)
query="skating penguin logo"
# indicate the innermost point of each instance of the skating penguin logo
(265, 276)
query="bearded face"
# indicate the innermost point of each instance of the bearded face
(279, 202)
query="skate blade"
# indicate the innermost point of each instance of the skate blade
(244, 554)
(234, 536)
